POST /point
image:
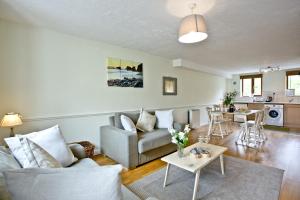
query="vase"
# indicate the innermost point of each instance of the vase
(180, 151)
(231, 108)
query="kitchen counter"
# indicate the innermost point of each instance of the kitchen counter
(284, 103)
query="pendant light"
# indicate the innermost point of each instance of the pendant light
(192, 28)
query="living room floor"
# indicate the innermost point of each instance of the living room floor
(280, 151)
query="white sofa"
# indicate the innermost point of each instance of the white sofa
(7, 162)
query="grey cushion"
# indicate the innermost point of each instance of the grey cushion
(7, 162)
(99, 183)
(134, 116)
(77, 150)
(151, 140)
(84, 163)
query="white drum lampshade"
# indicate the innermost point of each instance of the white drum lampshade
(192, 29)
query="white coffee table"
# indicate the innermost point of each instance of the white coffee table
(194, 165)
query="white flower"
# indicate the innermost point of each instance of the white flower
(172, 131)
(174, 140)
(187, 128)
(181, 135)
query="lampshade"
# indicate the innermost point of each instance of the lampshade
(192, 29)
(10, 120)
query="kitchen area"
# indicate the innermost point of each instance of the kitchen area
(276, 91)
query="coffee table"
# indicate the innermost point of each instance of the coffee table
(194, 165)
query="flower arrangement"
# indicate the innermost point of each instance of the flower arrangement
(228, 98)
(180, 138)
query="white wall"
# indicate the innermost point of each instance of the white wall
(272, 82)
(53, 78)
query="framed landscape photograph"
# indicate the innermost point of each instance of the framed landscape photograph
(124, 73)
(169, 86)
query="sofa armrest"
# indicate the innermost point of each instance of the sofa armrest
(120, 145)
(178, 126)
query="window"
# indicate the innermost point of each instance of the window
(251, 85)
(293, 81)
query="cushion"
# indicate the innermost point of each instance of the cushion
(28, 153)
(84, 163)
(17, 150)
(164, 118)
(134, 116)
(51, 140)
(146, 121)
(154, 139)
(42, 157)
(99, 183)
(128, 124)
(7, 162)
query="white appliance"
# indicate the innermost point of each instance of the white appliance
(275, 114)
(194, 118)
(240, 118)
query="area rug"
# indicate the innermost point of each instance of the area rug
(243, 180)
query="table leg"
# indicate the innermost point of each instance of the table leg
(166, 176)
(210, 126)
(222, 163)
(196, 185)
(246, 130)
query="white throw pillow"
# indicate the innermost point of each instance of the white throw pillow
(42, 157)
(51, 140)
(146, 121)
(128, 124)
(30, 157)
(94, 183)
(164, 118)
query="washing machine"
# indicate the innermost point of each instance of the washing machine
(274, 115)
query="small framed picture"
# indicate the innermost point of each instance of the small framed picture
(169, 86)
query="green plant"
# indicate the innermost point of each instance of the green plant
(228, 97)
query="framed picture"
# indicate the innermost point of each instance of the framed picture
(124, 73)
(169, 86)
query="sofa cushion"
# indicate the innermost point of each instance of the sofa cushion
(61, 183)
(41, 156)
(146, 121)
(151, 140)
(164, 118)
(49, 139)
(84, 163)
(134, 116)
(128, 124)
(7, 162)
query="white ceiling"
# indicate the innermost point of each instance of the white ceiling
(243, 35)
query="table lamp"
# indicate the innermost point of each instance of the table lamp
(11, 120)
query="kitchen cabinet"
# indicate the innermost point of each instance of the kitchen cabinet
(254, 106)
(292, 116)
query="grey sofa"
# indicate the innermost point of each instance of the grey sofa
(7, 162)
(130, 149)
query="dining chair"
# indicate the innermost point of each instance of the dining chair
(216, 122)
(227, 120)
(263, 113)
(253, 133)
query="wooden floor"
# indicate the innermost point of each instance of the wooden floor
(282, 150)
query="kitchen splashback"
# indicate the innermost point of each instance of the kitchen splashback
(279, 96)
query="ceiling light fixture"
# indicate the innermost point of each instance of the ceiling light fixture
(192, 28)
(269, 69)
